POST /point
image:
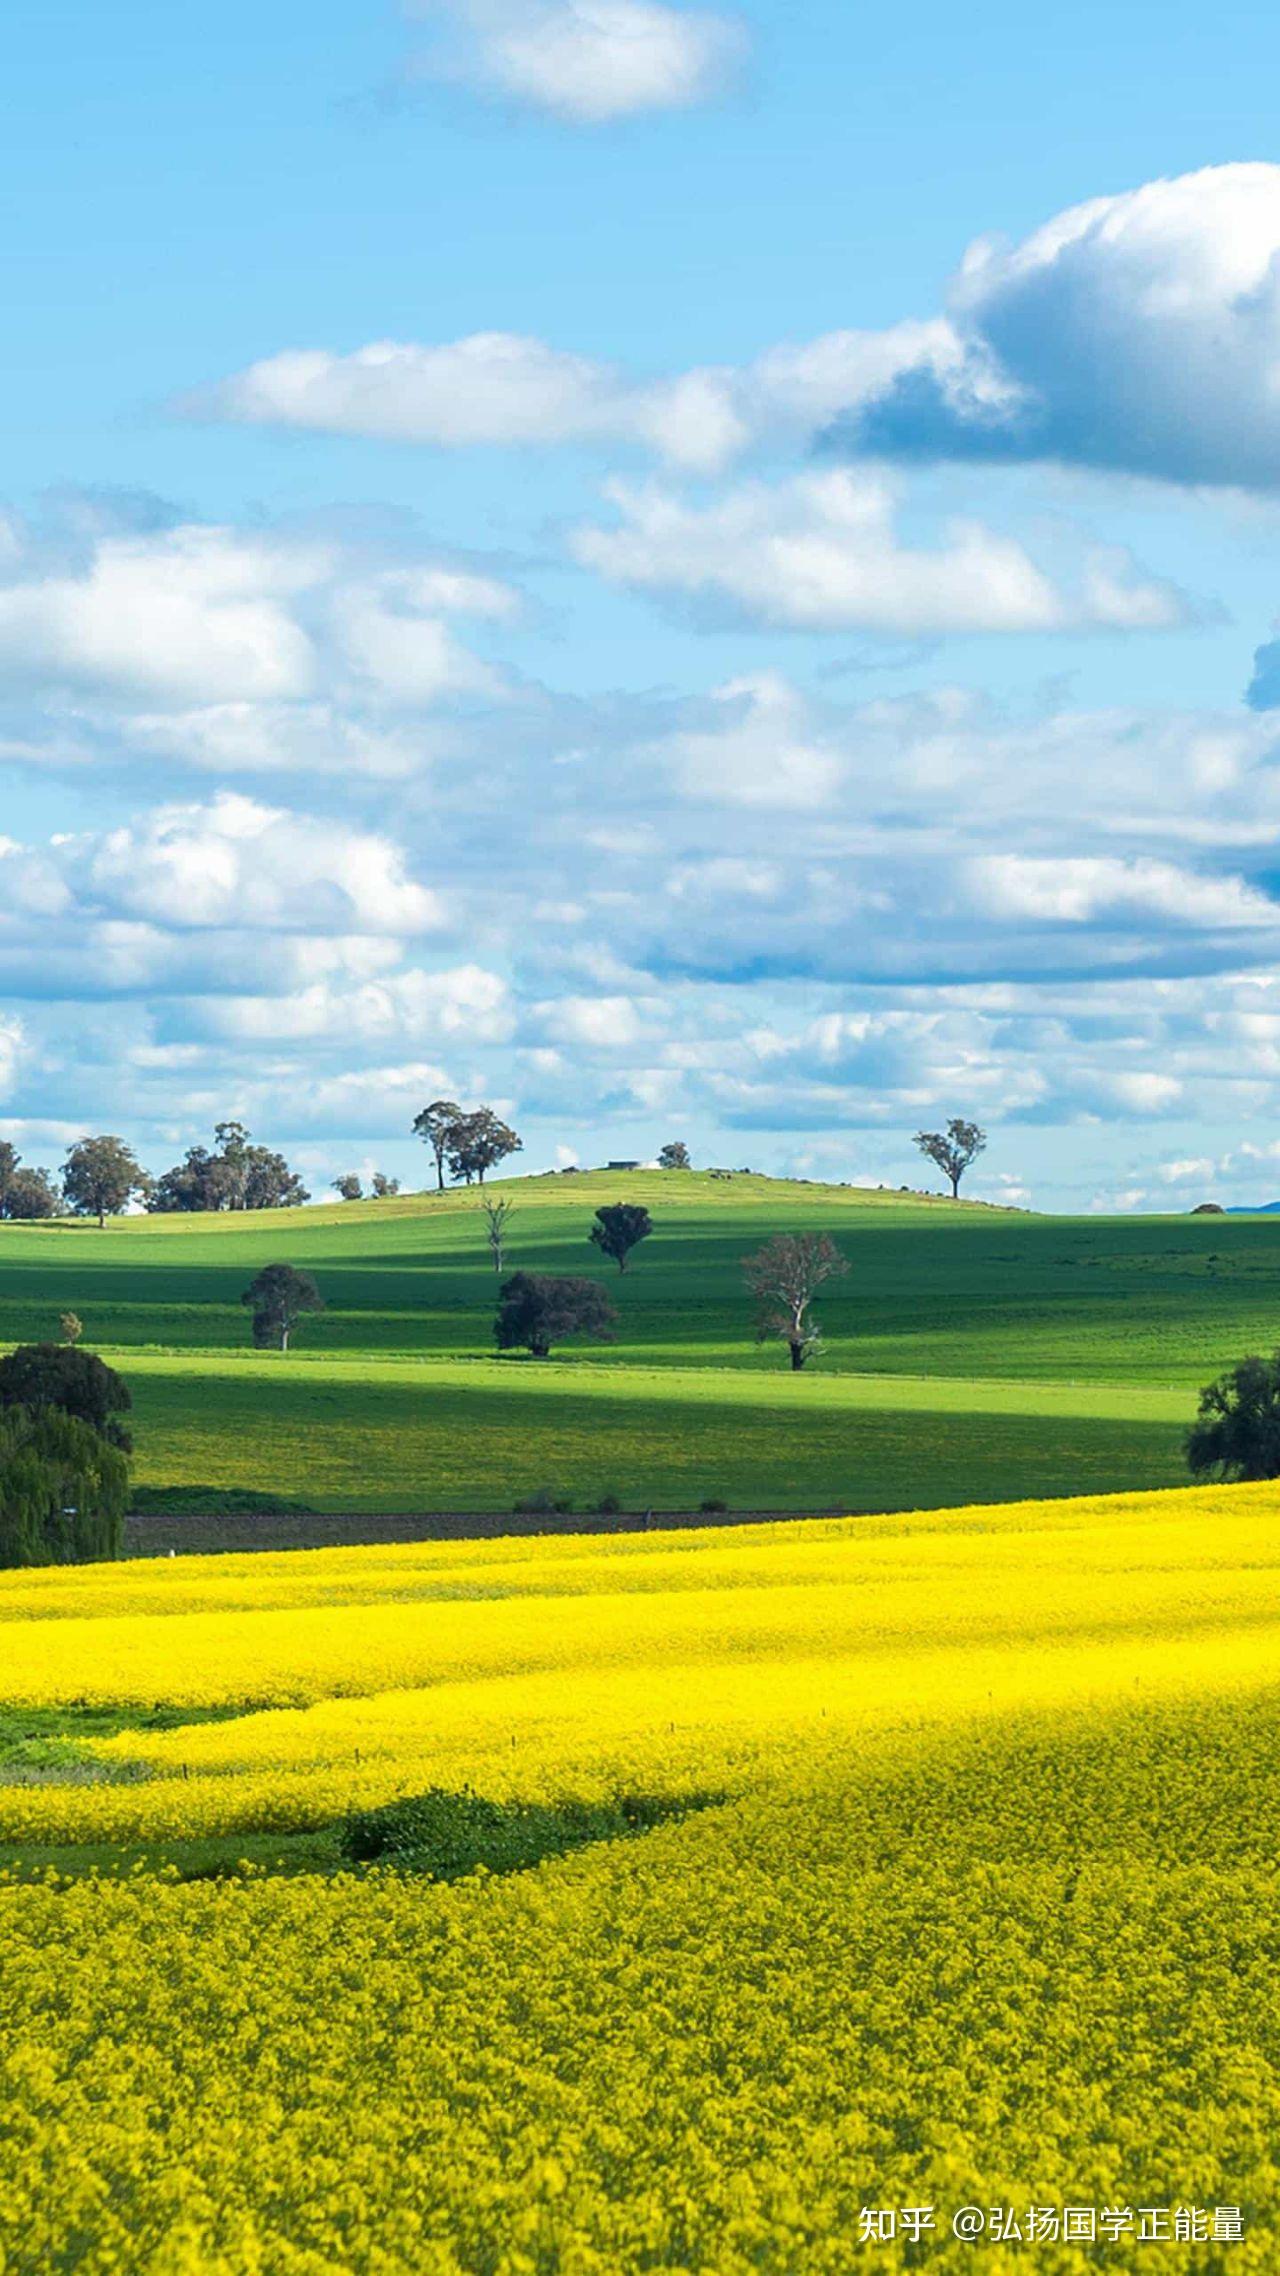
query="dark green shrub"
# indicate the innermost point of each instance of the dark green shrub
(544, 1501)
(713, 1508)
(63, 1490)
(608, 1506)
(444, 1835)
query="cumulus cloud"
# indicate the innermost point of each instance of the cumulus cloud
(823, 552)
(509, 389)
(584, 61)
(239, 651)
(1137, 333)
(237, 863)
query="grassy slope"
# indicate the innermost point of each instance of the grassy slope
(1023, 1355)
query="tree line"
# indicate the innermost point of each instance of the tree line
(102, 1176)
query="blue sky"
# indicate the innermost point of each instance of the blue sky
(540, 562)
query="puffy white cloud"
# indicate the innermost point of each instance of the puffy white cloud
(756, 752)
(586, 61)
(1099, 889)
(408, 1006)
(822, 552)
(236, 863)
(190, 614)
(13, 1045)
(510, 389)
(1137, 332)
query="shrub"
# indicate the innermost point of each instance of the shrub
(544, 1501)
(445, 1835)
(63, 1490)
(713, 1507)
(608, 1506)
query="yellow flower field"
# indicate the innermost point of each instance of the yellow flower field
(972, 1909)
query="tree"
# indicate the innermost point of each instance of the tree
(101, 1176)
(620, 1227)
(435, 1126)
(63, 1490)
(72, 1327)
(497, 1216)
(1237, 1431)
(9, 1160)
(480, 1141)
(539, 1309)
(953, 1149)
(30, 1196)
(239, 1175)
(40, 1376)
(382, 1186)
(278, 1296)
(676, 1156)
(349, 1186)
(784, 1276)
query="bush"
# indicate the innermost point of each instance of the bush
(544, 1501)
(445, 1835)
(608, 1506)
(713, 1508)
(63, 1491)
(1237, 1431)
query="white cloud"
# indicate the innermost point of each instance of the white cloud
(13, 1044)
(822, 552)
(509, 389)
(1138, 332)
(585, 61)
(190, 614)
(237, 863)
(410, 1007)
(1101, 889)
(756, 750)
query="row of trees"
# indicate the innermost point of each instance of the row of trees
(102, 1176)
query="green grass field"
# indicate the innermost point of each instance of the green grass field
(971, 1354)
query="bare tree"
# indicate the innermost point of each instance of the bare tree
(953, 1149)
(497, 1216)
(784, 1276)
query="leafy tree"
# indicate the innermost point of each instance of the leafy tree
(278, 1296)
(382, 1186)
(239, 1175)
(72, 1327)
(620, 1227)
(63, 1490)
(101, 1176)
(497, 1216)
(435, 1126)
(539, 1309)
(953, 1149)
(784, 1277)
(1237, 1431)
(349, 1186)
(41, 1376)
(9, 1160)
(30, 1195)
(479, 1142)
(676, 1156)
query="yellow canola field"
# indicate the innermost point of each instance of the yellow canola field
(981, 1912)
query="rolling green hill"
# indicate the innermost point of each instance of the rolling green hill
(971, 1353)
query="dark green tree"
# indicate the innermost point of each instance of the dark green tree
(46, 1376)
(953, 1149)
(619, 1228)
(539, 1309)
(479, 1142)
(236, 1175)
(1237, 1431)
(382, 1187)
(784, 1276)
(63, 1490)
(676, 1156)
(29, 1196)
(435, 1126)
(101, 1176)
(278, 1297)
(349, 1186)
